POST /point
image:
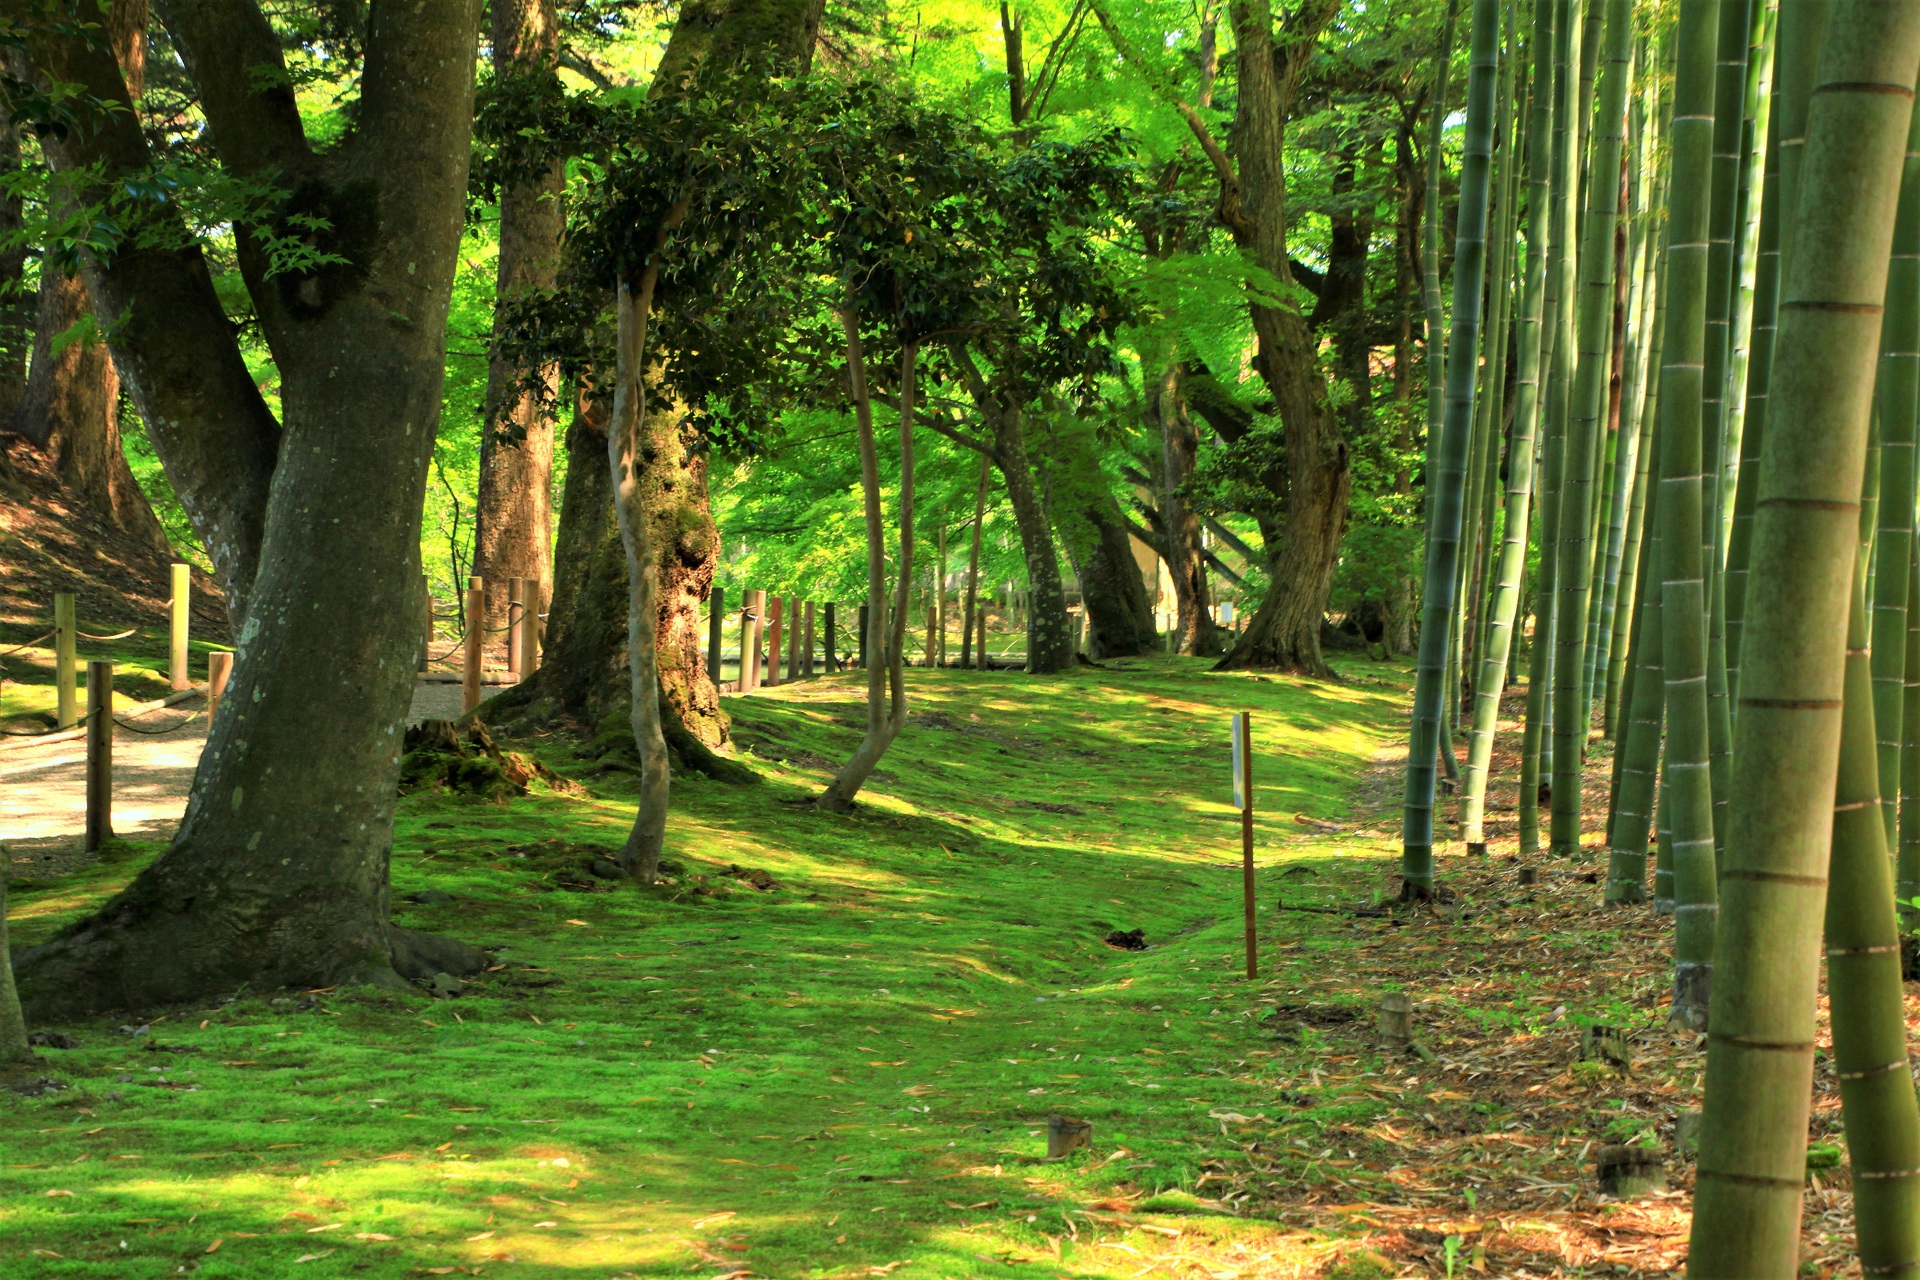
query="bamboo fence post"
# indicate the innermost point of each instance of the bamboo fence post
(178, 602)
(750, 632)
(806, 644)
(531, 628)
(832, 637)
(476, 643)
(793, 638)
(516, 613)
(99, 754)
(65, 642)
(716, 617)
(219, 671)
(776, 610)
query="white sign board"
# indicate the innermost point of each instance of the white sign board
(1225, 611)
(1239, 760)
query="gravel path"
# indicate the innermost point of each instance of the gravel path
(43, 790)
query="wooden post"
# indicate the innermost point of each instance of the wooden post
(1066, 1135)
(793, 638)
(750, 625)
(806, 645)
(530, 627)
(866, 611)
(930, 613)
(775, 617)
(716, 615)
(66, 642)
(516, 614)
(1243, 796)
(476, 643)
(99, 754)
(219, 671)
(983, 639)
(833, 639)
(1396, 1021)
(940, 603)
(181, 600)
(426, 634)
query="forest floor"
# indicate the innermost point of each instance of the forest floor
(829, 1048)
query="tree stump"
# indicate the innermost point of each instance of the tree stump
(1396, 1021)
(1630, 1172)
(1686, 1131)
(1600, 1043)
(1529, 875)
(1065, 1134)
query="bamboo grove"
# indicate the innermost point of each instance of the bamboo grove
(1672, 487)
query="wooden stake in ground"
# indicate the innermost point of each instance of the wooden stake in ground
(752, 605)
(476, 644)
(716, 615)
(182, 598)
(426, 620)
(65, 642)
(99, 754)
(219, 670)
(774, 620)
(793, 639)
(516, 614)
(833, 638)
(806, 643)
(1243, 800)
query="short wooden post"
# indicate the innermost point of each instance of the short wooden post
(179, 604)
(716, 615)
(99, 754)
(1066, 1134)
(866, 619)
(1243, 795)
(806, 645)
(983, 638)
(531, 627)
(516, 614)
(1396, 1021)
(750, 622)
(426, 623)
(774, 619)
(476, 643)
(66, 642)
(793, 638)
(833, 640)
(219, 671)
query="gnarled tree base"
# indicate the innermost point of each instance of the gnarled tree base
(163, 942)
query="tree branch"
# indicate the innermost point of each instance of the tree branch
(1231, 538)
(235, 61)
(1158, 84)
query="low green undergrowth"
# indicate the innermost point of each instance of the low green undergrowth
(827, 1046)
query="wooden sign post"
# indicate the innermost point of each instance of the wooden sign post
(178, 619)
(99, 755)
(1243, 800)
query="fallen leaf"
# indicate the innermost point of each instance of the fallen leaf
(309, 1257)
(484, 1235)
(371, 1235)
(214, 1247)
(328, 1227)
(579, 922)
(59, 1193)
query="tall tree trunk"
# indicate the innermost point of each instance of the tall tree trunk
(1760, 1055)
(1049, 648)
(278, 874)
(1198, 635)
(513, 516)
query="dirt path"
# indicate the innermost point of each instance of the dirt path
(43, 790)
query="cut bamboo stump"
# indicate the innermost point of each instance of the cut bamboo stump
(1065, 1134)
(1605, 1044)
(99, 755)
(1529, 875)
(1628, 1173)
(1396, 1021)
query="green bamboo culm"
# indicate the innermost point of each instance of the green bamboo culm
(1906, 888)
(1446, 480)
(1863, 976)
(1556, 341)
(1898, 403)
(1637, 758)
(1572, 709)
(1683, 604)
(1760, 1047)
(1510, 573)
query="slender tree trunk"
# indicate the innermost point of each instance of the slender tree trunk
(1760, 1054)
(1048, 646)
(1180, 523)
(13, 1026)
(974, 608)
(886, 637)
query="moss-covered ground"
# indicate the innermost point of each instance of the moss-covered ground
(847, 1074)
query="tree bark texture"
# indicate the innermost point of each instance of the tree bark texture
(513, 516)
(1180, 523)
